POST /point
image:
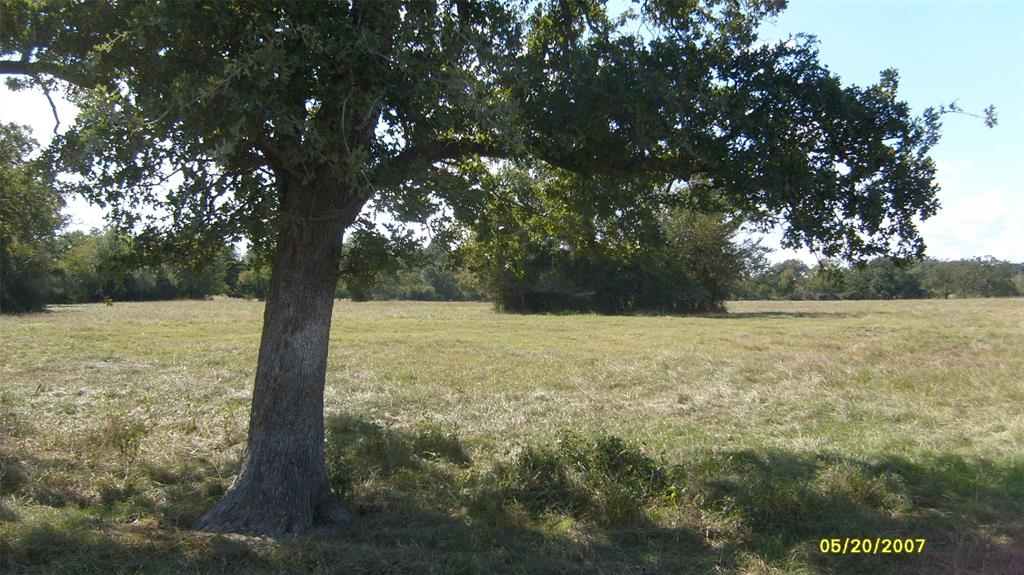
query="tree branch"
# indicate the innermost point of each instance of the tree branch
(275, 156)
(396, 167)
(399, 166)
(53, 107)
(26, 68)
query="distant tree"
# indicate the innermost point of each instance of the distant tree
(705, 247)
(283, 120)
(989, 277)
(95, 267)
(824, 281)
(977, 277)
(782, 280)
(447, 274)
(253, 283)
(102, 265)
(537, 248)
(939, 278)
(254, 277)
(75, 268)
(431, 274)
(882, 278)
(198, 278)
(368, 254)
(406, 283)
(234, 264)
(29, 221)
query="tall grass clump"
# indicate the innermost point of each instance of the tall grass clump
(599, 477)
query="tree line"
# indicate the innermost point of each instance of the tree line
(101, 266)
(882, 278)
(530, 249)
(694, 270)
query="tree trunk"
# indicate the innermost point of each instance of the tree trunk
(282, 487)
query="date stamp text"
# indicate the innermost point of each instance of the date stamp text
(870, 546)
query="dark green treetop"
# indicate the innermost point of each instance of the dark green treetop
(212, 113)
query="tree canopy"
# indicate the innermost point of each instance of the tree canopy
(210, 111)
(538, 243)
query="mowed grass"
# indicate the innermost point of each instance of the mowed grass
(469, 441)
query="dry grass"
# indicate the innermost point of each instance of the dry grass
(765, 430)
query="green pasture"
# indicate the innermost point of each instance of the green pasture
(467, 441)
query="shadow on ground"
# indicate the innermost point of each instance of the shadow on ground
(573, 505)
(778, 315)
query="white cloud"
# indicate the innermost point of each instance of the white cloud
(983, 223)
(977, 217)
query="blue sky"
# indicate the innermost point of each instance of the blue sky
(971, 52)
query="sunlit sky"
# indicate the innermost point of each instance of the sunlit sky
(970, 52)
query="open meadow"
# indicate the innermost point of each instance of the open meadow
(466, 441)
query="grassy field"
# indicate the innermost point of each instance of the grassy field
(469, 441)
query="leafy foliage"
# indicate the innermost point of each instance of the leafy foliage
(248, 104)
(539, 247)
(368, 254)
(29, 221)
(976, 277)
(102, 266)
(254, 280)
(429, 274)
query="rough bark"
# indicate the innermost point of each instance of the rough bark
(282, 488)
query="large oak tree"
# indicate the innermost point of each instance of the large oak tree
(207, 121)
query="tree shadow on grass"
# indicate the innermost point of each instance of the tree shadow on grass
(968, 512)
(584, 504)
(778, 315)
(420, 504)
(706, 315)
(184, 489)
(577, 504)
(78, 543)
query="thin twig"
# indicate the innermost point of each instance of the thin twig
(53, 107)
